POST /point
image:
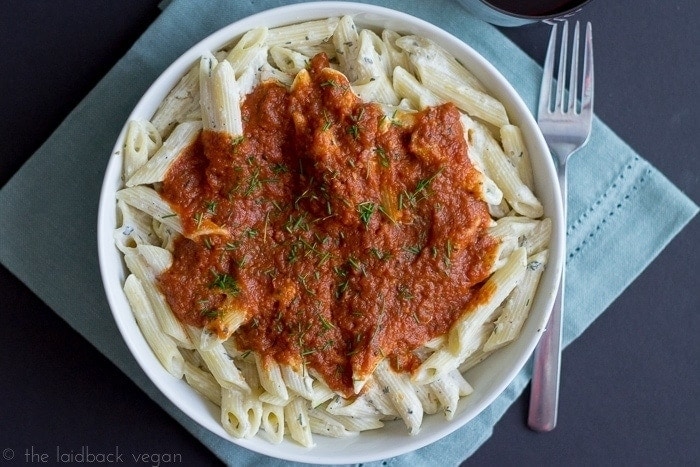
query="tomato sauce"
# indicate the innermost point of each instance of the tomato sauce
(347, 236)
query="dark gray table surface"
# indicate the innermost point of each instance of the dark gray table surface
(630, 384)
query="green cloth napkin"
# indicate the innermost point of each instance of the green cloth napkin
(50, 219)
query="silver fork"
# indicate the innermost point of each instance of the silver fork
(566, 128)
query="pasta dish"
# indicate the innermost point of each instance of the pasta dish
(324, 227)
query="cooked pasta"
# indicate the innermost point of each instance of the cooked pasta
(397, 82)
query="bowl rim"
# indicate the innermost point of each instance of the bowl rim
(112, 269)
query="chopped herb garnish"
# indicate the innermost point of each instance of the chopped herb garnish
(327, 121)
(296, 223)
(394, 120)
(415, 249)
(385, 211)
(279, 168)
(271, 272)
(293, 254)
(306, 194)
(242, 262)
(404, 292)
(448, 253)
(254, 182)
(357, 265)
(379, 254)
(421, 190)
(330, 83)
(211, 206)
(323, 258)
(354, 130)
(325, 323)
(340, 290)
(302, 281)
(366, 209)
(224, 282)
(382, 155)
(198, 218)
(208, 313)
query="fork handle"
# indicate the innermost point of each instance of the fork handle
(544, 391)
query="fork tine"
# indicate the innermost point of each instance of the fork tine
(573, 77)
(546, 86)
(587, 92)
(561, 79)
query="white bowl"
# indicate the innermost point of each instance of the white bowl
(489, 378)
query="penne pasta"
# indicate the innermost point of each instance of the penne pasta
(514, 147)
(141, 141)
(427, 398)
(220, 97)
(517, 306)
(157, 166)
(270, 377)
(325, 424)
(448, 79)
(287, 60)
(220, 364)
(446, 391)
(146, 199)
(320, 392)
(347, 44)
(407, 86)
(272, 422)
(462, 340)
(400, 391)
(241, 416)
(379, 398)
(250, 52)
(296, 415)
(203, 382)
(538, 239)
(306, 34)
(396, 56)
(169, 324)
(498, 286)
(297, 382)
(181, 104)
(163, 346)
(372, 58)
(518, 195)
(134, 228)
(394, 80)
(421, 50)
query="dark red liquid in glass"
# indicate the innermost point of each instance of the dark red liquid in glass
(535, 7)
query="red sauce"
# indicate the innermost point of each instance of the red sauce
(350, 237)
